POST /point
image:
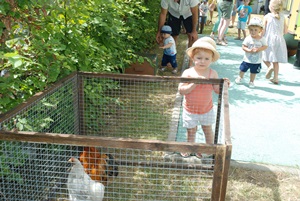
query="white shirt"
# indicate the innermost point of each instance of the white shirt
(254, 57)
(204, 8)
(184, 8)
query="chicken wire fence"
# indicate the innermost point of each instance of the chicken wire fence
(126, 132)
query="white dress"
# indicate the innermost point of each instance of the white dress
(277, 50)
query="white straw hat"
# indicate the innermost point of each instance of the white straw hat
(205, 43)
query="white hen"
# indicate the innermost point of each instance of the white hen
(81, 187)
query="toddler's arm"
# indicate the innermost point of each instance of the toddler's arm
(166, 46)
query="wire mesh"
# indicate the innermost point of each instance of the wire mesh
(34, 157)
(54, 111)
(141, 108)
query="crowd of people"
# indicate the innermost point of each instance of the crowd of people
(265, 43)
(193, 15)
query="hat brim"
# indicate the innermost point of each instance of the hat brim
(256, 25)
(216, 54)
(168, 32)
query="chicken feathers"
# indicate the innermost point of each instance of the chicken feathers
(98, 166)
(80, 186)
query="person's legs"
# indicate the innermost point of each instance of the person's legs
(164, 62)
(232, 21)
(202, 23)
(276, 72)
(191, 134)
(209, 135)
(225, 8)
(188, 24)
(270, 69)
(268, 64)
(222, 28)
(243, 69)
(244, 33)
(242, 74)
(252, 77)
(175, 24)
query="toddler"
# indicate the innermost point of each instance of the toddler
(198, 103)
(244, 12)
(253, 46)
(169, 48)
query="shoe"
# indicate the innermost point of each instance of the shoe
(174, 71)
(184, 155)
(274, 81)
(225, 40)
(251, 85)
(269, 72)
(230, 26)
(162, 69)
(238, 80)
(212, 36)
(222, 43)
(237, 38)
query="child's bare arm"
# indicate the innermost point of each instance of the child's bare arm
(246, 49)
(186, 88)
(166, 46)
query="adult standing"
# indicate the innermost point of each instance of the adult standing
(225, 7)
(176, 12)
(266, 7)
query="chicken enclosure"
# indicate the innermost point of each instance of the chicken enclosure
(124, 130)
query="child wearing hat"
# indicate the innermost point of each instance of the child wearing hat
(169, 48)
(253, 45)
(198, 103)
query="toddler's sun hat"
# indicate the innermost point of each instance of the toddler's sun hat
(166, 29)
(255, 21)
(205, 43)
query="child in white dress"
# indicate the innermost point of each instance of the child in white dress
(275, 28)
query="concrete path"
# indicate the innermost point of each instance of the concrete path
(265, 121)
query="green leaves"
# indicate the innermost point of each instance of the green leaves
(49, 41)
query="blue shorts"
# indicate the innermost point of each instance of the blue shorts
(169, 59)
(254, 68)
(241, 25)
(175, 24)
(202, 19)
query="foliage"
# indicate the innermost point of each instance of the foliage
(44, 41)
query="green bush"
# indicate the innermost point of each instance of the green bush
(43, 41)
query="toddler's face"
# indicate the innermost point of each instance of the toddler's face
(246, 2)
(254, 31)
(203, 58)
(165, 35)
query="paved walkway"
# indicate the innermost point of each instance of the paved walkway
(265, 121)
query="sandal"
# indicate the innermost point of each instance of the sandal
(184, 155)
(269, 72)
(274, 81)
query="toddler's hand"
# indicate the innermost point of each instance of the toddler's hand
(226, 80)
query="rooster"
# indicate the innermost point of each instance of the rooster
(81, 187)
(98, 166)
